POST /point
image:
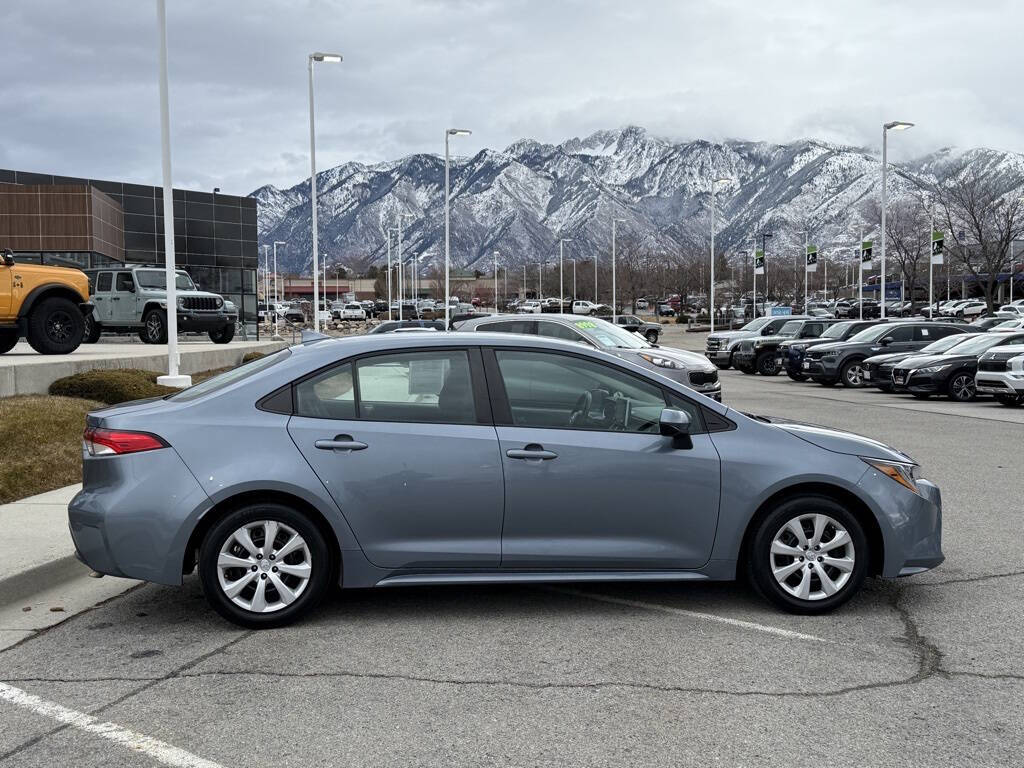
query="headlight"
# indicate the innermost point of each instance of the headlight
(220, 303)
(932, 368)
(831, 354)
(661, 362)
(903, 473)
(798, 347)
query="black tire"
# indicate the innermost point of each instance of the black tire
(766, 365)
(852, 374)
(92, 331)
(223, 335)
(55, 326)
(746, 369)
(961, 388)
(760, 559)
(652, 337)
(322, 567)
(723, 366)
(8, 338)
(921, 395)
(796, 376)
(827, 382)
(1012, 401)
(154, 328)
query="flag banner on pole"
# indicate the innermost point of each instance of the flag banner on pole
(866, 259)
(759, 262)
(812, 258)
(938, 244)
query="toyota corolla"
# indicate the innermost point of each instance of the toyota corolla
(400, 459)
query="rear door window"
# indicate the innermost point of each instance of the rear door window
(104, 281)
(416, 387)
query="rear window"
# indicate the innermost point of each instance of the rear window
(227, 378)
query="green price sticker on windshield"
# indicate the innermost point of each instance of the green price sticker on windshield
(586, 324)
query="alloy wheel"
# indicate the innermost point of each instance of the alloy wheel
(812, 556)
(962, 387)
(855, 375)
(153, 328)
(59, 326)
(264, 566)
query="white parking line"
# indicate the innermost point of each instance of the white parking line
(146, 745)
(787, 633)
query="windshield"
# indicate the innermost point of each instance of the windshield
(942, 345)
(792, 328)
(836, 331)
(756, 325)
(873, 333)
(157, 278)
(979, 344)
(604, 334)
(229, 377)
(1007, 324)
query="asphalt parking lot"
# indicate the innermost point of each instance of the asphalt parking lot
(923, 671)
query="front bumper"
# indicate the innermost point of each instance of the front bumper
(995, 383)
(911, 524)
(719, 356)
(820, 367)
(86, 308)
(204, 321)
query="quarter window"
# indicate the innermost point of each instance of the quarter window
(557, 331)
(558, 391)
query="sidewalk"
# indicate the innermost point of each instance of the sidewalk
(41, 580)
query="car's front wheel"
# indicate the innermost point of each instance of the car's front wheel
(264, 565)
(766, 364)
(652, 337)
(154, 327)
(222, 335)
(808, 555)
(961, 387)
(55, 326)
(852, 374)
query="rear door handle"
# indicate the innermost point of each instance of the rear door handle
(342, 443)
(531, 453)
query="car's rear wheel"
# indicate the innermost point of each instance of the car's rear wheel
(92, 330)
(264, 565)
(8, 338)
(766, 365)
(852, 374)
(961, 387)
(1010, 400)
(55, 326)
(746, 369)
(808, 555)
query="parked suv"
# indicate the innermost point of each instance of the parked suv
(760, 354)
(878, 369)
(47, 305)
(721, 345)
(134, 298)
(1001, 373)
(791, 352)
(829, 364)
(649, 331)
(952, 372)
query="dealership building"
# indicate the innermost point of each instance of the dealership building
(87, 223)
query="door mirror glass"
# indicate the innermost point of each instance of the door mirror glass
(8, 257)
(885, 342)
(674, 423)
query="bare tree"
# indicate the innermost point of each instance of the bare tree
(982, 216)
(907, 239)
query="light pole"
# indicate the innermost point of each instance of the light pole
(561, 256)
(895, 125)
(389, 273)
(401, 293)
(173, 378)
(804, 233)
(277, 317)
(313, 57)
(711, 293)
(266, 277)
(764, 255)
(573, 279)
(615, 306)
(447, 225)
(495, 282)
(540, 282)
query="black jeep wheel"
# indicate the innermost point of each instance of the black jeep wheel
(8, 338)
(223, 334)
(154, 327)
(55, 326)
(92, 331)
(766, 364)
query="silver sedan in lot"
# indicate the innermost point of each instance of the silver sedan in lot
(453, 458)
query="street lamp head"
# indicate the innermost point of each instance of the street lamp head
(459, 132)
(898, 125)
(329, 57)
(280, 242)
(722, 180)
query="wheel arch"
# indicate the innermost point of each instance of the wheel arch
(48, 291)
(860, 509)
(229, 504)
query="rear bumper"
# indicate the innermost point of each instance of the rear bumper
(139, 530)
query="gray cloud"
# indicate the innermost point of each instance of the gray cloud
(79, 93)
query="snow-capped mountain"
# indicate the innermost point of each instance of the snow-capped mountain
(520, 201)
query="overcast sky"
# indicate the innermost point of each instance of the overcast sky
(78, 94)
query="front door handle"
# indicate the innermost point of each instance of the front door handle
(341, 443)
(115, 298)
(531, 452)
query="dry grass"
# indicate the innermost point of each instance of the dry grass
(40, 443)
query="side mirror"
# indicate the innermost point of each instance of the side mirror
(674, 423)
(8, 257)
(767, 331)
(886, 341)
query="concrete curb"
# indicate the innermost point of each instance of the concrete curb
(17, 588)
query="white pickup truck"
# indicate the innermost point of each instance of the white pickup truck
(1001, 373)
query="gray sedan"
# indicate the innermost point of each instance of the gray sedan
(688, 368)
(455, 458)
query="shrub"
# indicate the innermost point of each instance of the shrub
(248, 357)
(111, 386)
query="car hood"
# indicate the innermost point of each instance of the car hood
(730, 335)
(163, 292)
(805, 342)
(778, 339)
(838, 441)
(889, 357)
(692, 360)
(922, 361)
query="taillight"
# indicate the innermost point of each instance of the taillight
(112, 442)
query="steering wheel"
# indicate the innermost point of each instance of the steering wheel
(580, 411)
